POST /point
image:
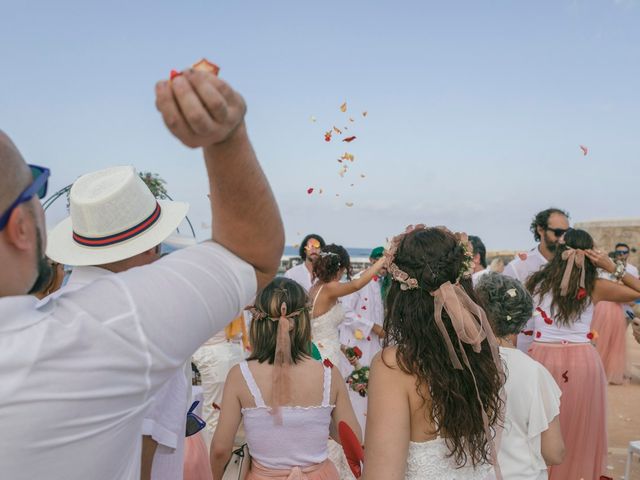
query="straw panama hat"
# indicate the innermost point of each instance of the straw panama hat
(114, 216)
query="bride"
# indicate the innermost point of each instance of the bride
(327, 314)
(434, 390)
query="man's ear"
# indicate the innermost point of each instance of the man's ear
(18, 230)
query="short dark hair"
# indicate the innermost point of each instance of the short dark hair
(263, 333)
(302, 251)
(506, 301)
(622, 245)
(542, 220)
(479, 248)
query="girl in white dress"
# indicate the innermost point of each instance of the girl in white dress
(434, 390)
(531, 438)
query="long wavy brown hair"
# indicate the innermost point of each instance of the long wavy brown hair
(566, 310)
(433, 256)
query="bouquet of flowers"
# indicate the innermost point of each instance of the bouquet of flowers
(359, 380)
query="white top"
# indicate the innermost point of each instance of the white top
(547, 330)
(325, 333)
(521, 269)
(632, 270)
(300, 274)
(164, 420)
(82, 368)
(431, 459)
(301, 440)
(533, 401)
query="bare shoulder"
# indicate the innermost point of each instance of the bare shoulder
(385, 362)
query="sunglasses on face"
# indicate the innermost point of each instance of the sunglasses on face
(622, 252)
(194, 422)
(37, 187)
(558, 232)
(312, 244)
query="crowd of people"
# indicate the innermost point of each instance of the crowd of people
(440, 363)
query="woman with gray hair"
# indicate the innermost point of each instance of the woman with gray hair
(531, 439)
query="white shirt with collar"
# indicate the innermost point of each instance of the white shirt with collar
(301, 274)
(521, 269)
(79, 371)
(165, 419)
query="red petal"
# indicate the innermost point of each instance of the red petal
(369, 338)
(310, 190)
(215, 406)
(528, 332)
(364, 307)
(565, 377)
(590, 335)
(327, 363)
(538, 334)
(581, 293)
(548, 321)
(174, 74)
(349, 139)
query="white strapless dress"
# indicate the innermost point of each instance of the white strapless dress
(429, 460)
(324, 333)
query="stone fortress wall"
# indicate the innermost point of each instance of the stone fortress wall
(606, 233)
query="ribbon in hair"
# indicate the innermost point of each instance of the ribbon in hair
(281, 391)
(572, 257)
(472, 327)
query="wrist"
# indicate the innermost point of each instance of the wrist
(237, 135)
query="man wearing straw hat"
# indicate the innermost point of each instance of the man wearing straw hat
(115, 200)
(78, 372)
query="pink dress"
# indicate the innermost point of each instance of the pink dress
(567, 353)
(295, 449)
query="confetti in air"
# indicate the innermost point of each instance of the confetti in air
(349, 139)
(584, 149)
(310, 190)
(343, 107)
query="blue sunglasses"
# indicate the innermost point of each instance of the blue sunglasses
(37, 187)
(194, 422)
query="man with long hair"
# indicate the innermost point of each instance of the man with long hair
(309, 251)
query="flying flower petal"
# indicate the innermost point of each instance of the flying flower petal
(584, 149)
(343, 107)
(327, 136)
(364, 114)
(349, 204)
(349, 139)
(310, 190)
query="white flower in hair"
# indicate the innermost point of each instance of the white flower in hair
(512, 292)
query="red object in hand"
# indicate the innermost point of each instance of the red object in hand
(327, 363)
(352, 449)
(357, 352)
(174, 74)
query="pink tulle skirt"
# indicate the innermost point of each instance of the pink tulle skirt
(610, 323)
(578, 371)
(322, 471)
(196, 459)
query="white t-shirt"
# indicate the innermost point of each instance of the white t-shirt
(79, 372)
(521, 270)
(533, 401)
(165, 419)
(475, 278)
(300, 274)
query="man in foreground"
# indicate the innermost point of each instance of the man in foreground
(79, 372)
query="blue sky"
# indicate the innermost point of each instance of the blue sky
(476, 110)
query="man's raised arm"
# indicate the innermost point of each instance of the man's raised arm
(201, 110)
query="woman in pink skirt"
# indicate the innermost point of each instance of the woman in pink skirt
(566, 291)
(288, 402)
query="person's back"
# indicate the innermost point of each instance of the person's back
(301, 440)
(288, 402)
(434, 391)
